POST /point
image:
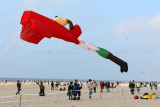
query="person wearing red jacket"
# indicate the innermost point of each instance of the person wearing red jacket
(101, 86)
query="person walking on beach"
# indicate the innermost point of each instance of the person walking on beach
(75, 87)
(79, 90)
(70, 89)
(94, 86)
(52, 85)
(156, 85)
(101, 86)
(132, 86)
(108, 86)
(48, 82)
(138, 85)
(18, 87)
(151, 84)
(112, 84)
(90, 87)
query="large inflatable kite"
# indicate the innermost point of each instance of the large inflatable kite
(35, 27)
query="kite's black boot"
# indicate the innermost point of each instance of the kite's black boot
(124, 67)
(121, 63)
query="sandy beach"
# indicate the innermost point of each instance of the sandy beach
(118, 97)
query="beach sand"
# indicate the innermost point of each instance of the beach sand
(118, 97)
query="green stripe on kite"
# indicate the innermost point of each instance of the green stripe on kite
(103, 52)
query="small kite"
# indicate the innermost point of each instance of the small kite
(35, 27)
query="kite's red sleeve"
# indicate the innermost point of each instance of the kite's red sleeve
(35, 27)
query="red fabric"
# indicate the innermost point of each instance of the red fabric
(101, 85)
(136, 97)
(36, 27)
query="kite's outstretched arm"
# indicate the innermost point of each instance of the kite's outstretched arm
(70, 24)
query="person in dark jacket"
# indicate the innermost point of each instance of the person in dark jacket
(42, 88)
(70, 89)
(18, 87)
(76, 90)
(52, 85)
(108, 86)
(79, 91)
(132, 86)
(151, 84)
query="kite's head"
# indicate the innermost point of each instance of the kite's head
(61, 21)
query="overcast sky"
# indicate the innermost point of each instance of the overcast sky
(128, 29)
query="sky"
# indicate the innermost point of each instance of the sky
(128, 29)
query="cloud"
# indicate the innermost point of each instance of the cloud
(138, 25)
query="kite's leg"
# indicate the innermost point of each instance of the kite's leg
(121, 63)
(106, 54)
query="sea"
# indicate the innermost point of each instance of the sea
(45, 79)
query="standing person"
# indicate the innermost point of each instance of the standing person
(108, 86)
(90, 87)
(151, 84)
(138, 85)
(18, 87)
(94, 86)
(117, 83)
(132, 86)
(42, 88)
(145, 84)
(52, 85)
(101, 86)
(70, 89)
(79, 90)
(156, 85)
(112, 85)
(141, 84)
(48, 82)
(75, 88)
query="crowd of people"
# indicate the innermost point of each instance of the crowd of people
(3, 81)
(92, 85)
(74, 88)
(137, 85)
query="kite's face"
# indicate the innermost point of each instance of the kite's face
(61, 21)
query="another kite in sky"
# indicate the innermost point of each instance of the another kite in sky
(35, 27)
